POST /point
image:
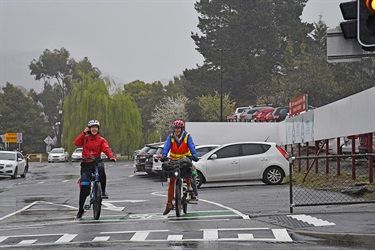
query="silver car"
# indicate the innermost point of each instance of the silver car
(201, 150)
(58, 154)
(77, 154)
(263, 161)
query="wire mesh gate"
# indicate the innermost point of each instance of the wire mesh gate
(331, 180)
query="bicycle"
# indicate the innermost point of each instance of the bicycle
(179, 169)
(96, 190)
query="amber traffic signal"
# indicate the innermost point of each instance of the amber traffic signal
(366, 23)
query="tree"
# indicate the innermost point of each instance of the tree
(57, 65)
(147, 96)
(248, 61)
(119, 118)
(23, 116)
(168, 110)
(209, 107)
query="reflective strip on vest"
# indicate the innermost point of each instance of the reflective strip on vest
(177, 153)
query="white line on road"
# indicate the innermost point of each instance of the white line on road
(244, 216)
(16, 212)
(311, 220)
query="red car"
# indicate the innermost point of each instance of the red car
(260, 115)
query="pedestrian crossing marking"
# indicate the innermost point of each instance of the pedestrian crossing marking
(311, 220)
(217, 234)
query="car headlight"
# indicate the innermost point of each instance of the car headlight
(9, 165)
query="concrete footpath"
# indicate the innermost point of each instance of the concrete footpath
(354, 224)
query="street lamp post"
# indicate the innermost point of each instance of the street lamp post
(221, 85)
(60, 129)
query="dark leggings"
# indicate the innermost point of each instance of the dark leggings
(87, 168)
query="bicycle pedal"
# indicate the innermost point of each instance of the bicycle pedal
(86, 207)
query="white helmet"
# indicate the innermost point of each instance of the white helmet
(93, 123)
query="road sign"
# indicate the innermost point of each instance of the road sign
(19, 137)
(10, 137)
(48, 140)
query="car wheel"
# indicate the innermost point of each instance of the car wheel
(24, 173)
(200, 179)
(15, 173)
(273, 175)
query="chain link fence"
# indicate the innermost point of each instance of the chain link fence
(331, 180)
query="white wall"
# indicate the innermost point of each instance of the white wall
(226, 132)
(349, 116)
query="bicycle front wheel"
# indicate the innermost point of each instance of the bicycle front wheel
(184, 200)
(97, 203)
(177, 197)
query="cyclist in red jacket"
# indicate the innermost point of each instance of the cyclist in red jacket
(93, 144)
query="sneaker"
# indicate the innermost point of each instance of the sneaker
(79, 214)
(193, 198)
(168, 208)
(105, 195)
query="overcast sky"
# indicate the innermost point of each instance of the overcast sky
(128, 40)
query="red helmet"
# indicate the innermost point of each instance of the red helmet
(179, 123)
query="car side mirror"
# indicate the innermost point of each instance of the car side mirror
(213, 157)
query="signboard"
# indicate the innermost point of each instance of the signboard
(19, 137)
(48, 140)
(298, 105)
(10, 137)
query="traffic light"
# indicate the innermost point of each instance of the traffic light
(349, 13)
(366, 23)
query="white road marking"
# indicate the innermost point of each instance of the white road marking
(311, 220)
(244, 216)
(2, 238)
(101, 238)
(210, 234)
(26, 242)
(110, 206)
(175, 237)
(18, 211)
(66, 238)
(140, 236)
(281, 235)
(245, 237)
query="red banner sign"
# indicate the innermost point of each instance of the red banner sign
(298, 105)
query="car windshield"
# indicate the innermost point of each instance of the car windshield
(57, 151)
(78, 150)
(8, 156)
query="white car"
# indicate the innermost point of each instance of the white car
(77, 154)
(263, 161)
(201, 150)
(12, 163)
(58, 154)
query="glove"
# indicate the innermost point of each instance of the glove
(195, 158)
(163, 158)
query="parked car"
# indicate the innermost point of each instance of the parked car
(260, 115)
(264, 161)
(201, 150)
(77, 154)
(279, 114)
(58, 154)
(247, 115)
(12, 163)
(145, 155)
(346, 147)
(364, 143)
(239, 111)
